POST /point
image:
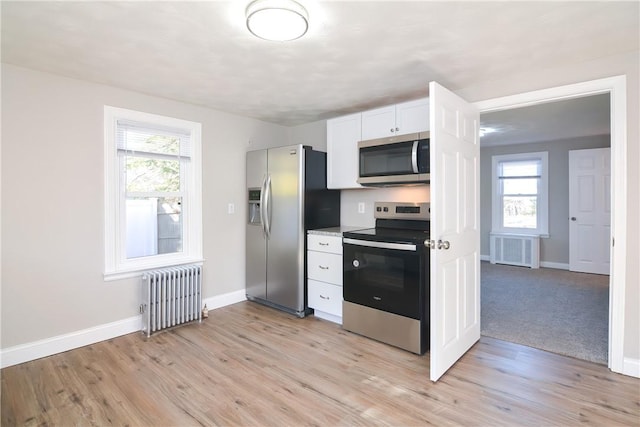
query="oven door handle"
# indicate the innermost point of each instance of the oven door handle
(381, 245)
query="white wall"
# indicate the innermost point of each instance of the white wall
(555, 248)
(52, 202)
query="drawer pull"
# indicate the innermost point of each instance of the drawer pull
(323, 297)
(323, 267)
(323, 244)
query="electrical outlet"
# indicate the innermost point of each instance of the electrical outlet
(231, 208)
(361, 207)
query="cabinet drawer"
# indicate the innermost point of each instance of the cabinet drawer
(324, 267)
(322, 243)
(325, 297)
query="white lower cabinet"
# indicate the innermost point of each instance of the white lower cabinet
(324, 274)
(325, 297)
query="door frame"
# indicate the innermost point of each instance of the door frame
(616, 86)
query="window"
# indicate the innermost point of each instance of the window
(152, 192)
(520, 193)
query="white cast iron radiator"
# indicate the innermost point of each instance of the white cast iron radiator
(171, 296)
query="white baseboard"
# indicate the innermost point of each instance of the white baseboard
(58, 344)
(35, 350)
(225, 299)
(631, 367)
(556, 265)
(545, 264)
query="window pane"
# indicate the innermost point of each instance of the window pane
(521, 168)
(154, 226)
(520, 186)
(152, 175)
(519, 212)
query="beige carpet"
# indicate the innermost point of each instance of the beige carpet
(554, 310)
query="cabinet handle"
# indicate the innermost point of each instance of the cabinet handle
(323, 297)
(323, 244)
(323, 267)
(397, 129)
(391, 129)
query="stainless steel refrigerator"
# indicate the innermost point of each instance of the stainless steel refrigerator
(286, 196)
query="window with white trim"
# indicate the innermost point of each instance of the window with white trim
(520, 193)
(153, 192)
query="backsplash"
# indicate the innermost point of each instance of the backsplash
(351, 199)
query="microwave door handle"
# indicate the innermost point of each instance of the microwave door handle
(414, 157)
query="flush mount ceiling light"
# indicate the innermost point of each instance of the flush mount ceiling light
(277, 20)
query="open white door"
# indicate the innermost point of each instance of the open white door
(455, 228)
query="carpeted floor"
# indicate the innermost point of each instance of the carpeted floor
(554, 310)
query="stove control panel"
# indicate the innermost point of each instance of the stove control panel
(402, 210)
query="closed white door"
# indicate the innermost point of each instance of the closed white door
(455, 228)
(590, 210)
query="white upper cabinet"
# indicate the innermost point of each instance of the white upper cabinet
(379, 123)
(399, 119)
(343, 134)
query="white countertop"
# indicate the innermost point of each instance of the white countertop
(335, 231)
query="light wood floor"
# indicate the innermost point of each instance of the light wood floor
(252, 365)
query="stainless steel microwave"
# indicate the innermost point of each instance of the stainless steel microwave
(397, 160)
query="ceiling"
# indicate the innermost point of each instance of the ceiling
(551, 121)
(356, 55)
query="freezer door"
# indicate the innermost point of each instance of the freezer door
(256, 242)
(285, 260)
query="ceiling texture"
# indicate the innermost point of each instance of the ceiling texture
(356, 55)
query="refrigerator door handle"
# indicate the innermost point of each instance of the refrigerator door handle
(263, 200)
(268, 207)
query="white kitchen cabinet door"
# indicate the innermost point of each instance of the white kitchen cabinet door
(455, 229)
(325, 297)
(379, 123)
(397, 119)
(412, 116)
(343, 134)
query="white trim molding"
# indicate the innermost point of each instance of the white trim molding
(42, 348)
(58, 344)
(631, 367)
(225, 299)
(556, 265)
(616, 87)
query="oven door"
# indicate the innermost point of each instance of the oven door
(384, 276)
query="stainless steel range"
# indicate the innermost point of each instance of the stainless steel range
(386, 277)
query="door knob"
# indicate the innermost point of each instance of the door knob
(573, 218)
(443, 244)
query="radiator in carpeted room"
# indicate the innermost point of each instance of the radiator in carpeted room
(515, 249)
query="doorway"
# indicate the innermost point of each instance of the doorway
(615, 87)
(547, 308)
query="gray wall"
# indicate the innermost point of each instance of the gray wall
(554, 249)
(52, 202)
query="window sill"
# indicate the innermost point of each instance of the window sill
(110, 276)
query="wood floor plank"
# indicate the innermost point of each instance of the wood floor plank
(250, 365)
